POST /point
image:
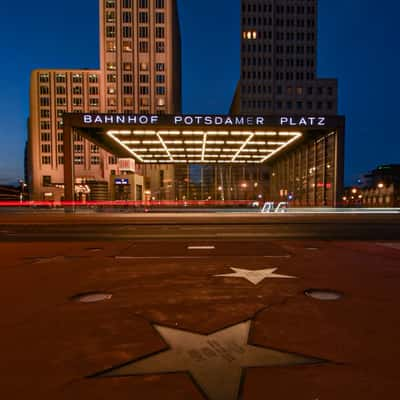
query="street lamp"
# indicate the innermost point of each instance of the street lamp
(380, 185)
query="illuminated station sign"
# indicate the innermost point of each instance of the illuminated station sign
(197, 139)
(201, 139)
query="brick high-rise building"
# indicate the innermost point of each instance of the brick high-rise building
(140, 72)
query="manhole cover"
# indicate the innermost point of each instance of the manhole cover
(323, 294)
(91, 297)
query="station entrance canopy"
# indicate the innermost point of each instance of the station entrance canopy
(192, 139)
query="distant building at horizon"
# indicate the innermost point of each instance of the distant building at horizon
(377, 188)
(140, 72)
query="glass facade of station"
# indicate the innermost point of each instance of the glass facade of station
(308, 175)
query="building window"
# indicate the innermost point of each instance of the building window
(160, 78)
(110, 3)
(160, 67)
(45, 125)
(126, 46)
(159, 3)
(76, 101)
(61, 78)
(78, 148)
(160, 47)
(127, 17)
(44, 102)
(143, 32)
(77, 90)
(46, 148)
(111, 78)
(46, 160)
(110, 31)
(143, 47)
(44, 113)
(60, 148)
(127, 78)
(45, 136)
(94, 90)
(127, 66)
(111, 66)
(77, 78)
(111, 46)
(94, 102)
(128, 90)
(110, 16)
(60, 90)
(78, 160)
(128, 102)
(127, 32)
(44, 90)
(112, 160)
(143, 17)
(95, 160)
(160, 33)
(143, 3)
(144, 90)
(160, 18)
(160, 90)
(61, 160)
(143, 78)
(44, 78)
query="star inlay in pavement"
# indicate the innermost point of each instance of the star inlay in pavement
(214, 361)
(255, 276)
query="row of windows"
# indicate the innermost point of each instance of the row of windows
(93, 90)
(299, 36)
(278, 22)
(62, 101)
(259, 8)
(129, 3)
(143, 17)
(279, 76)
(253, 48)
(289, 105)
(62, 78)
(144, 90)
(143, 32)
(280, 62)
(79, 160)
(289, 90)
(111, 66)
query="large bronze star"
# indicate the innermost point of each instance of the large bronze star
(214, 361)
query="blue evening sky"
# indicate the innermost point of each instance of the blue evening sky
(358, 44)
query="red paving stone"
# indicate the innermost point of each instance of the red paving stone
(49, 344)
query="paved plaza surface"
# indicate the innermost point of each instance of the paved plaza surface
(199, 318)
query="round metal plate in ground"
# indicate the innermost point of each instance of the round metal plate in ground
(92, 297)
(324, 294)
